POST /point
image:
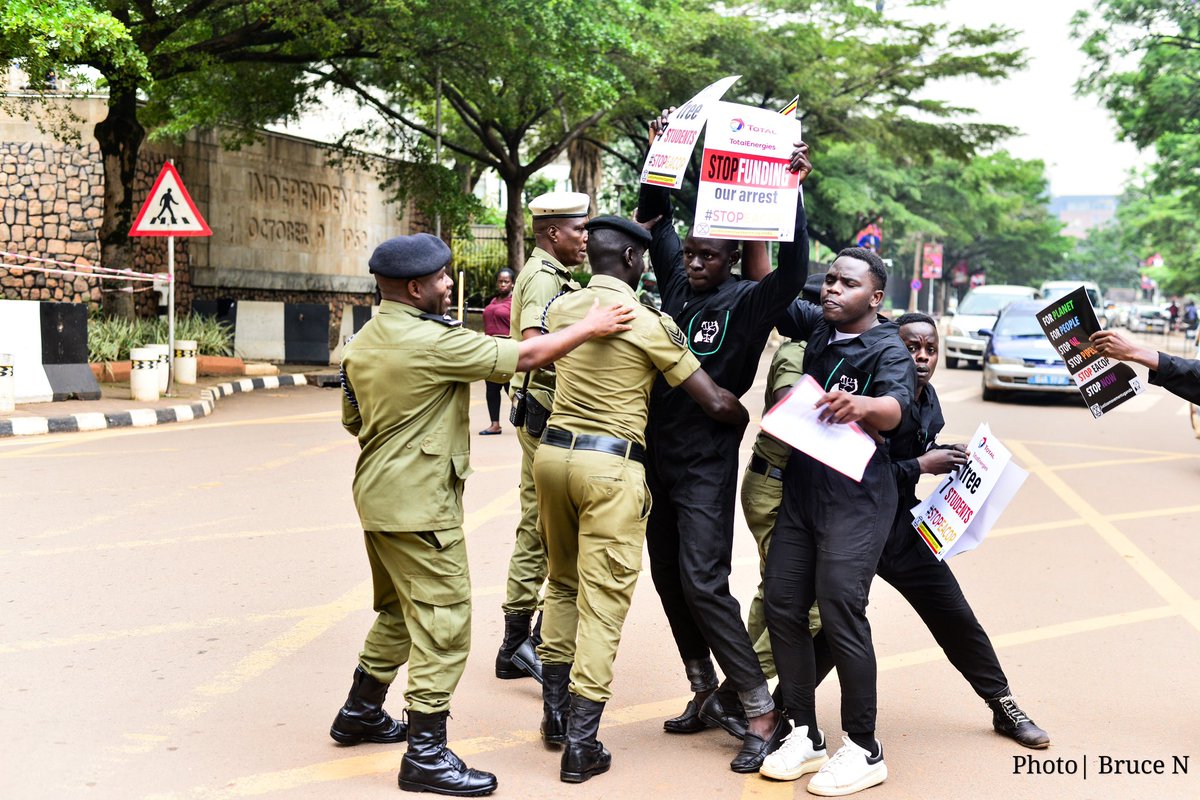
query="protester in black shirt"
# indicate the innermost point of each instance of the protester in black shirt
(692, 465)
(831, 529)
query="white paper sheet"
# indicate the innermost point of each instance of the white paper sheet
(845, 448)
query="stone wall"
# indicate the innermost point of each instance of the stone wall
(51, 198)
(286, 226)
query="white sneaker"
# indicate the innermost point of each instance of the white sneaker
(851, 770)
(795, 757)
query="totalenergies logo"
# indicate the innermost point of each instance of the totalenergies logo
(738, 124)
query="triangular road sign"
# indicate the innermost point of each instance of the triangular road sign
(169, 210)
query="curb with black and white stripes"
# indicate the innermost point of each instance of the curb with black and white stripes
(143, 417)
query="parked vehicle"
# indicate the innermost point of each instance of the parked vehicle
(1019, 357)
(1052, 290)
(1148, 319)
(979, 309)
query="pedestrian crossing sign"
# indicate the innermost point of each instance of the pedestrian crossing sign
(169, 210)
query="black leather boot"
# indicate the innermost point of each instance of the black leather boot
(556, 703)
(431, 766)
(1009, 720)
(363, 719)
(516, 640)
(583, 757)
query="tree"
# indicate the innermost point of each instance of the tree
(520, 88)
(864, 81)
(1145, 59)
(1106, 257)
(169, 65)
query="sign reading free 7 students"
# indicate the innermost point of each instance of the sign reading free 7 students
(1105, 382)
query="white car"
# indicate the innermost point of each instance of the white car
(961, 340)
(1148, 319)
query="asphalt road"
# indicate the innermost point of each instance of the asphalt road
(183, 607)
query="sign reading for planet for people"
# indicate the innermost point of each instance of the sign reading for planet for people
(747, 190)
(1105, 382)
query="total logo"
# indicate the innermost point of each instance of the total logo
(738, 124)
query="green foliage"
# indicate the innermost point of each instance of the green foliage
(864, 80)
(1145, 59)
(1106, 257)
(111, 338)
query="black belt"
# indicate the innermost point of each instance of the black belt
(601, 444)
(763, 467)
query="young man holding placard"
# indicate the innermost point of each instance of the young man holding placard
(692, 464)
(832, 529)
(912, 569)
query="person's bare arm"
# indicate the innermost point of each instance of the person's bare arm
(538, 351)
(1114, 345)
(755, 264)
(720, 404)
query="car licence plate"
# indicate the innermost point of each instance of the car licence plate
(1049, 380)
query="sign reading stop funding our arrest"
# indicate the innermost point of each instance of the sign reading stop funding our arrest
(1105, 382)
(746, 189)
(957, 516)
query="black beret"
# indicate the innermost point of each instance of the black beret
(622, 224)
(410, 256)
(812, 288)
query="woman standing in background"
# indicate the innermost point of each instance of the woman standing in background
(495, 323)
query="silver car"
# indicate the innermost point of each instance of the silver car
(1019, 357)
(961, 339)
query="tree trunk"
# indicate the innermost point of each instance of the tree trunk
(120, 136)
(587, 170)
(514, 220)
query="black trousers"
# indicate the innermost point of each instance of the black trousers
(689, 536)
(932, 590)
(826, 545)
(495, 391)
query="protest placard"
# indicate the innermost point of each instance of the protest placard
(668, 158)
(958, 515)
(794, 420)
(747, 190)
(1105, 382)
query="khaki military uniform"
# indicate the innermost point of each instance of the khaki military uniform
(407, 379)
(594, 504)
(762, 492)
(539, 282)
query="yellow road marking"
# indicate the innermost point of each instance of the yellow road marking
(136, 544)
(314, 623)
(46, 642)
(1160, 581)
(1102, 448)
(282, 781)
(1115, 462)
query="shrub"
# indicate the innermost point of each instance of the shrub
(111, 338)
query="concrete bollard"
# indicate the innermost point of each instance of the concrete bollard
(185, 361)
(164, 354)
(143, 375)
(8, 385)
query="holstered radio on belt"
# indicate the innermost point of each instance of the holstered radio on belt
(521, 398)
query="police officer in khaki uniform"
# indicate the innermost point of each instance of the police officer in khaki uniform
(561, 238)
(407, 378)
(591, 488)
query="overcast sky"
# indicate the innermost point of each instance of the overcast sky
(1074, 136)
